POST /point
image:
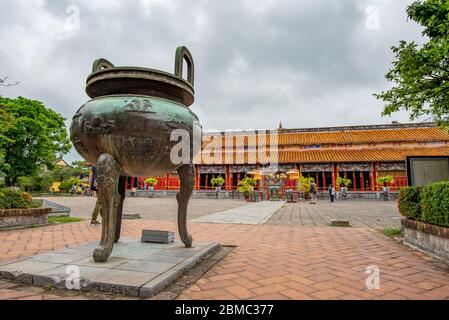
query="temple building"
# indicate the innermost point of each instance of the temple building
(359, 153)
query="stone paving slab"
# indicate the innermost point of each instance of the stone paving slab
(376, 214)
(254, 213)
(134, 268)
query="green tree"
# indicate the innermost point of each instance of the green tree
(5, 124)
(26, 183)
(42, 182)
(80, 169)
(61, 173)
(36, 137)
(420, 74)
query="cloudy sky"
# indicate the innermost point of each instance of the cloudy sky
(305, 63)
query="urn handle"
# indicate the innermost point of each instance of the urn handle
(101, 64)
(182, 53)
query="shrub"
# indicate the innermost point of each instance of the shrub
(435, 204)
(14, 199)
(247, 186)
(343, 182)
(217, 181)
(151, 181)
(68, 184)
(385, 180)
(409, 202)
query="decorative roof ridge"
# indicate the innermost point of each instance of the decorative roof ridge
(333, 129)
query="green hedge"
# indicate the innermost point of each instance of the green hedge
(428, 204)
(435, 204)
(409, 199)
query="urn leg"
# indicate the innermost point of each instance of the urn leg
(122, 195)
(108, 179)
(186, 175)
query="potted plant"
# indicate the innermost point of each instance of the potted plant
(152, 182)
(17, 209)
(384, 181)
(343, 183)
(218, 182)
(304, 186)
(246, 186)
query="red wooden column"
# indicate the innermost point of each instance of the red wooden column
(228, 179)
(375, 176)
(362, 181)
(197, 177)
(354, 182)
(316, 180)
(207, 181)
(324, 179)
(334, 176)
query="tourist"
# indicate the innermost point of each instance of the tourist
(93, 187)
(386, 192)
(313, 192)
(331, 193)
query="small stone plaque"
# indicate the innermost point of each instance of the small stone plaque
(340, 223)
(157, 236)
(131, 216)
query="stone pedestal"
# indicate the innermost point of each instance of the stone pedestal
(134, 268)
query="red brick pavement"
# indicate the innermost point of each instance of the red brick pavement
(269, 262)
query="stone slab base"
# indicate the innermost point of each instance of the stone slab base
(134, 268)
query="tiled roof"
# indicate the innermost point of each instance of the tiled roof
(366, 136)
(329, 155)
(342, 137)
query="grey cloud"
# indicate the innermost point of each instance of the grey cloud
(305, 63)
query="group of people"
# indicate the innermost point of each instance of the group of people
(314, 192)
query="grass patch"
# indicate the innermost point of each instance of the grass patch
(63, 219)
(392, 232)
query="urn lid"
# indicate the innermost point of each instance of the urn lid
(107, 79)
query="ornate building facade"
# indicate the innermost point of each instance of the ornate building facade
(359, 153)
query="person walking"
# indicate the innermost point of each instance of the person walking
(93, 188)
(331, 193)
(313, 192)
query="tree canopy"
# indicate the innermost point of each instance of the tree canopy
(31, 136)
(420, 74)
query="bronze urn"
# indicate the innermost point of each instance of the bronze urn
(126, 130)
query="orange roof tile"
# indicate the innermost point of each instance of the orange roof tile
(339, 137)
(329, 155)
(365, 136)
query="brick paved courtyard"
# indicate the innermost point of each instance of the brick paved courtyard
(269, 262)
(375, 214)
(154, 209)
(362, 213)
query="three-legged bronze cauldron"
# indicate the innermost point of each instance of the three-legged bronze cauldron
(126, 131)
